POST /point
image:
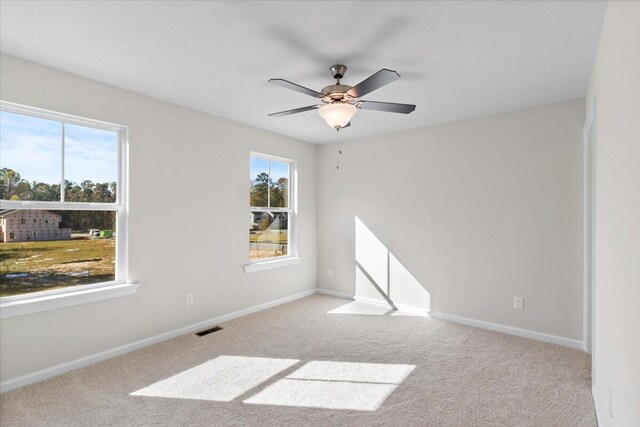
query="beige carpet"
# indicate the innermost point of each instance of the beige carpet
(297, 364)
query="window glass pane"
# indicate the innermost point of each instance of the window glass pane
(259, 181)
(268, 235)
(55, 249)
(279, 184)
(30, 158)
(90, 164)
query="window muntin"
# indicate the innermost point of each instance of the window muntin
(270, 215)
(77, 226)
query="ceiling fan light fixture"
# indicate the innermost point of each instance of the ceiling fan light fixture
(342, 102)
(338, 114)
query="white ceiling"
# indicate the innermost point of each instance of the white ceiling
(456, 59)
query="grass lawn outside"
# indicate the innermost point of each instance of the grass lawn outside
(267, 244)
(27, 267)
(269, 236)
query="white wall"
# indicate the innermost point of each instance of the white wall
(188, 224)
(615, 82)
(476, 212)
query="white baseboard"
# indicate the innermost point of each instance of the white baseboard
(334, 293)
(414, 310)
(98, 357)
(567, 342)
(372, 301)
(595, 405)
(553, 339)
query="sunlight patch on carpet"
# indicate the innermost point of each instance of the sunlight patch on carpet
(335, 385)
(322, 394)
(356, 372)
(221, 379)
(368, 309)
(411, 313)
(357, 307)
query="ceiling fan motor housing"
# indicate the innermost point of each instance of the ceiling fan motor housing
(335, 91)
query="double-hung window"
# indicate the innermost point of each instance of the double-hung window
(63, 211)
(271, 213)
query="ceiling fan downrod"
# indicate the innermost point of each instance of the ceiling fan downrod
(338, 71)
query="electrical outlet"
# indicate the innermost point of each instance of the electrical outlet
(330, 273)
(189, 299)
(610, 403)
(518, 302)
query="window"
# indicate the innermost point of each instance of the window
(61, 178)
(270, 208)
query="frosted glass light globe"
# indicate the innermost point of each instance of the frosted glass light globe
(337, 115)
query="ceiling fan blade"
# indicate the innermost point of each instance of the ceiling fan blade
(289, 85)
(390, 107)
(373, 82)
(347, 125)
(295, 111)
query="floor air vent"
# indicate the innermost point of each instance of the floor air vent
(208, 331)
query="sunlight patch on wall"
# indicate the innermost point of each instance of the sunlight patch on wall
(371, 255)
(366, 287)
(380, 276)
(405, 288)
(221, 379)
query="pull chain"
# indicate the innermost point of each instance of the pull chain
(338, 148)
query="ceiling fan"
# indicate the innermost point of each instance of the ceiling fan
(342, 102)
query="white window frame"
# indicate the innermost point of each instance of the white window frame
(73, 295)
(292, 256)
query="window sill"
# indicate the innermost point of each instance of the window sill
(268, 265)
(36, 304)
